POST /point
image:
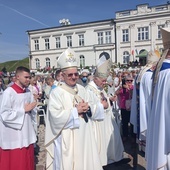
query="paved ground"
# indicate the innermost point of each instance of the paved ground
(135, 161)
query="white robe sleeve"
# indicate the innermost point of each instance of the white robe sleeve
(10, 116)
(97, 108)
(143, 102)
(99, 113)
(73, 121)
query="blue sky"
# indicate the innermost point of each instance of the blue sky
(18, 16)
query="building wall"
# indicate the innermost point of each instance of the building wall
(142, 16)
(91, 50)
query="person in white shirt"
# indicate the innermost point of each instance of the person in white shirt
(17, 115)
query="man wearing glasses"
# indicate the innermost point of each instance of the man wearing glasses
(69, 137)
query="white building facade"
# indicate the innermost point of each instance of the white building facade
(138, 31)
(126, 38)
(88, 40)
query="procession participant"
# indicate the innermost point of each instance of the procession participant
(58, 77)
(83, 79)
(69, 138)
(12, 81)
(109, 144)
(34, 88)
(39, 85)
(110, 83)
(17, 134)
(124, 94)
(1, 89)
(141, 103)
(158, 136)
(50, 82)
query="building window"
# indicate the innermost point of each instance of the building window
(125, 34)
(47, 44)
(82, 61)
(58, 44)
(81, 40)
(100, 37)
(108, 37)
(48, 63)
(37, 63)
(69, 41)
(36, 43)
(143, 33)
(126, 57)
(159, 31)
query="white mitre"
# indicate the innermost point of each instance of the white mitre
(166, 44)
(152, 60)
(103, 67)
(67, 59)
(166, 37)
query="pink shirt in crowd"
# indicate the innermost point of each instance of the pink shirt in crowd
(124, 94)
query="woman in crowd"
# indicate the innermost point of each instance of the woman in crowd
(124, 94)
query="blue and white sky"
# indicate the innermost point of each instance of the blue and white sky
(18, 16)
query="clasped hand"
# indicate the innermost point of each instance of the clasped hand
(104, 103)
(82, 107)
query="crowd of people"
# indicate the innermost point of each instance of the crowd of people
(88, 115)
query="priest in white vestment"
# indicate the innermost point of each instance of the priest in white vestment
(69, 137)
(141, 102)
(158, 135)
(107, 134)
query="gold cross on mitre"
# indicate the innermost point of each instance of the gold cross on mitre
(70, 55)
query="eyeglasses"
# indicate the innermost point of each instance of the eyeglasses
(129, 80)
(71, 74)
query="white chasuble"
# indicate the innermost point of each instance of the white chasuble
(145, 100)
(158, 134)
(106, 131)
(69, 135)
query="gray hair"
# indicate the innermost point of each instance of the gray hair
(128, 77)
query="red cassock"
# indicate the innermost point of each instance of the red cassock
(19, 158)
